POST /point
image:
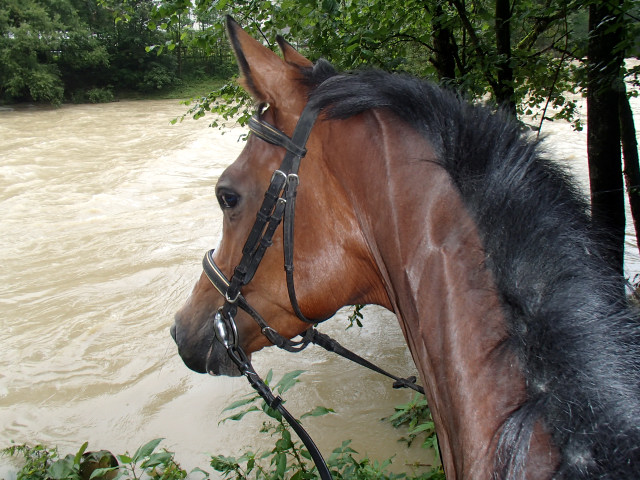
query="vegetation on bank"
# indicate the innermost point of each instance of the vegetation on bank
(288, 459)
(54, 51)
(189, 88)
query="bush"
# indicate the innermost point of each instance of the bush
(157, 77)
(100, 95)
(42, 463)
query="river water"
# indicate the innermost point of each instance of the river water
(106, 211)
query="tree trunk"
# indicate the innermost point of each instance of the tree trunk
(505, 92)
(631, 163)
(603, 126)
(445, 50)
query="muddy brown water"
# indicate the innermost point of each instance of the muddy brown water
(106, 211)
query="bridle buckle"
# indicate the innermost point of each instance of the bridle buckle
(231, 300)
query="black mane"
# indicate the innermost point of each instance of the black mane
(576, 337)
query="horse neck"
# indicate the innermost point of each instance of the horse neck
(431, 261)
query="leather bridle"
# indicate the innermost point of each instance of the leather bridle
(277, 207)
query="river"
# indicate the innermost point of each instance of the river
(106, 213)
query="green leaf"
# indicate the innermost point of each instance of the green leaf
(145, 450)
(240, 415)
(78, 456)
(423, 427)
(158, 458)
(101, 472)
(318, 412)
(275, 414)
(198, 470)
(63, 469)
(288, 380)
(240, 403)
(284, 443)
(280, 461)
(250, 464)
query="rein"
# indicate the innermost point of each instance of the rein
(278, 206)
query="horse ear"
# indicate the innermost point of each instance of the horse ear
(291, 55)
(263, 72)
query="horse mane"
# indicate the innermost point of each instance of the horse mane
(576, 336)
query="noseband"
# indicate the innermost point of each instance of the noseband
(278, 206)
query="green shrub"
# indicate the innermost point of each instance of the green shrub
(100, 95)
(42, 463)
(157, 77)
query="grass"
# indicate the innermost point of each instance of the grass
(188, 88)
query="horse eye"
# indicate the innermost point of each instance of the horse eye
(228, 199)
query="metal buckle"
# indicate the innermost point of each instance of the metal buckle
(234, 300)
(276, 173)
(293, 178)
(225, 335)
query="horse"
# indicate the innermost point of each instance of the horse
(450, 215)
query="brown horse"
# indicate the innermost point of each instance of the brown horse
(448, 215)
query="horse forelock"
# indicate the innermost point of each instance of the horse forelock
(577, 339)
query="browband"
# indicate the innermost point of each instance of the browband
(272, 135)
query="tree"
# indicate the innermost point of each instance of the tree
(51, 50)
(32, 33)
(604, 84)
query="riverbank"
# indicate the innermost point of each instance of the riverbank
(188, 88)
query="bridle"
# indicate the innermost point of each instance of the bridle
(278, 206)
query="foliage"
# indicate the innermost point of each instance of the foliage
(42, 463)
(416, 416)
(100, 95)
(289, 458)
(453, 41)
(356, 316)
(52, 50)
(228, 102)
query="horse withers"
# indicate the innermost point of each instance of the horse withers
(447, 214)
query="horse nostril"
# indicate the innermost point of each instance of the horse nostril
(172, 331)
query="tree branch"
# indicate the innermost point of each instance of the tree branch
(475, 41)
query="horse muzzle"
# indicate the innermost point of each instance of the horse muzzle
(200, 351)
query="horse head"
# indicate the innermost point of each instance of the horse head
(334, 266)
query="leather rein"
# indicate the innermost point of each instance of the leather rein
(277, 207)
